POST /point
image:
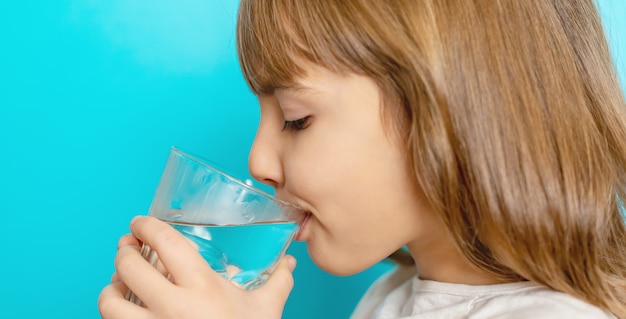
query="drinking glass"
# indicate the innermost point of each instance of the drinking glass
(240, 231)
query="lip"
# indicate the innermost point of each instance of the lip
(302, 226)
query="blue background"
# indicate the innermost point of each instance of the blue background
(92, 95)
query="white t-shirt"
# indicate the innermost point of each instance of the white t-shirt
(401, 294)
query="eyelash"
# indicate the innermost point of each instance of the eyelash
(297, 125)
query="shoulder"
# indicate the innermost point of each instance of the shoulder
(401, 294)
(534, 302)
(382, 288)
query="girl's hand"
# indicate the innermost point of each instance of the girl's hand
(196, 290)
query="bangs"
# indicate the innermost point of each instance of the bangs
(275, 38)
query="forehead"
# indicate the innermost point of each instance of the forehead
(297, 89)
(315, 80)
(276, 49)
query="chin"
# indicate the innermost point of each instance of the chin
(338, 264)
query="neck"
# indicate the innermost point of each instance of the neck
(439, 260)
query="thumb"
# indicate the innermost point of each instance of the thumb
(280, 283)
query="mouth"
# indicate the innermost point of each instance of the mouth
(306, 218)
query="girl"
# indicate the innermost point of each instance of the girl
(486, 137)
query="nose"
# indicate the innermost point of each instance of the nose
(264, 160)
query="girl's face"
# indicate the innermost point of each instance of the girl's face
(322, 145)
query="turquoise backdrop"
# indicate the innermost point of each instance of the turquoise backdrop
(92, 95)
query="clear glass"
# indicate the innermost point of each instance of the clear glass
(240, 231)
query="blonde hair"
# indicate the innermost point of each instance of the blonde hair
(512, 115)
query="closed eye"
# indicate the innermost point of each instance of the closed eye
(296, 125)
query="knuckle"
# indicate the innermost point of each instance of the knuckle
(104, 304)
(165, 237)
(287, 278)
(123, 264)
(176, 312)
(289, 282)
(115, 278)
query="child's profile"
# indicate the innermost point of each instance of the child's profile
(487, 138)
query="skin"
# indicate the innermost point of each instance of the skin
(196, 290)
(341, 165)
(351, 173)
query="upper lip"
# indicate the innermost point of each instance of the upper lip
(290, 199)
(294, 201)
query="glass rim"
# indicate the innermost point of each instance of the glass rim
(203, 163)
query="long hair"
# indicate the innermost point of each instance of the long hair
(512, 115)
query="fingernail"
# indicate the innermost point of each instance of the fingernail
(291, 262)
(134, 220)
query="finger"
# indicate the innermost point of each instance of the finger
(115, 278)
(141, 277)
(128, 240)
(280, 283)
(113, 305)
(182, 260)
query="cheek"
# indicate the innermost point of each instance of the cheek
(346, 171)
(360, 193)
(320, 164)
